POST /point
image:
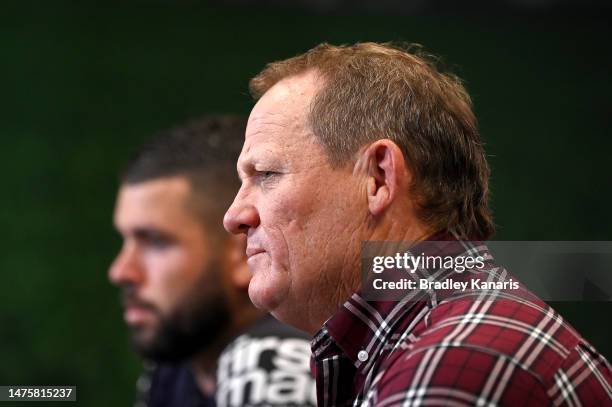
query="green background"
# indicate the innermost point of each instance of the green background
(83, 84)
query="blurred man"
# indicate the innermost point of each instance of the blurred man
(372, 143)
(184, 280)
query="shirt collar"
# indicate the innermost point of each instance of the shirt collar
(361, 329)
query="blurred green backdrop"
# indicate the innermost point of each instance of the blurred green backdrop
(83, 84)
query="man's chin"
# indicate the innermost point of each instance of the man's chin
(267, 293)
(177, 337)
(144, 340)
(151, 350)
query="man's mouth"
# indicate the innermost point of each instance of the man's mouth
(136, 311)
(253, 251)
(137, 315)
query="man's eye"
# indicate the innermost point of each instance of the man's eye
(267, 178)
(158, 242)
(266, 175)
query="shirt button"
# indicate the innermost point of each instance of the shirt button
(362, 355)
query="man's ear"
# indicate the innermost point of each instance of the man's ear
(240, 276)
(386, 174)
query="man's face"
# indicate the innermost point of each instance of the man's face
(169, 277)
(300, 215)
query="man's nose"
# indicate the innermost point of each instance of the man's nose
(241, 216)
(126, 267)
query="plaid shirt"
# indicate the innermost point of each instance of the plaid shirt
(457, 348)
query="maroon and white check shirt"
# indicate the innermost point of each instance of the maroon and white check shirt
(462, 348)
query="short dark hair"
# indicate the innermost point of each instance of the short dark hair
(372, 91)
(204, 151)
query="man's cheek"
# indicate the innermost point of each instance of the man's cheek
(278, 244)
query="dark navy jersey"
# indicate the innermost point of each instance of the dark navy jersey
(172, 386)
(268, 365)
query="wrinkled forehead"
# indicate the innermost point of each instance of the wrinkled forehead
(286, 104)
(279, 120)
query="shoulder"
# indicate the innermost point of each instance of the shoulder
(527, 331)
(585, 375)
(505, 351)
(457, 375)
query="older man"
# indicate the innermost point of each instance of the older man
(183, 280)
(371, 142)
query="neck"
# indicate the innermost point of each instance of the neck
(410, 229)
(204, 363)
(388, 229)
(204, 366)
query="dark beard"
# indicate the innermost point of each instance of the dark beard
(196, 322)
